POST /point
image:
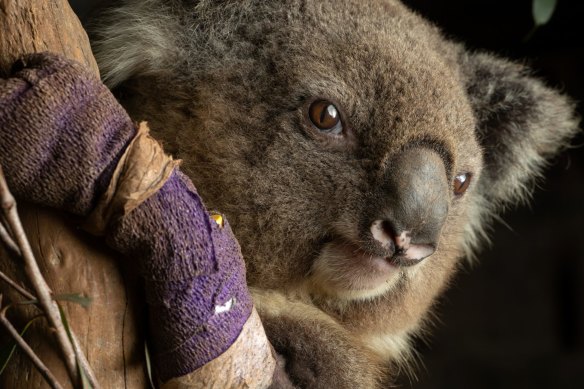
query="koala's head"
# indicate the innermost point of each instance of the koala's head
(354, 150)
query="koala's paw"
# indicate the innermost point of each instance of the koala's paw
(316, 352)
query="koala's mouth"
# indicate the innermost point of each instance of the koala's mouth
(344, 269)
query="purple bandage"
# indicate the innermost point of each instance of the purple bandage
(61, 136)
(62, 133)
(194, 276)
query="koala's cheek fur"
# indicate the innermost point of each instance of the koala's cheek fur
(279, 190)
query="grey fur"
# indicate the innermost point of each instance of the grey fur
(225, 86)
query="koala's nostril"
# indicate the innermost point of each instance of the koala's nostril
(383, 233)
(399, 243)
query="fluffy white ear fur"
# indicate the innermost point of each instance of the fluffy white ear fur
(138, 38)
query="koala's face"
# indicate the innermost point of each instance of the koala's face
(343, 157)
(340, 138)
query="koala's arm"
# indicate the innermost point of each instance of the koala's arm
(66, 143)
(315, 351)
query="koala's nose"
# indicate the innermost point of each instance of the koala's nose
(412, 205)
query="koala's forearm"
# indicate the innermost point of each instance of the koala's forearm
(61, 134)
(194, 276)
(63, 138)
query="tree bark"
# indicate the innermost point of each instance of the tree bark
(34, 26)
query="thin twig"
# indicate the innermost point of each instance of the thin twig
(83, 362)
(70, 347)
(42, 290)
(19, 288)
(81, 359)
(43, 370)
(5, 236)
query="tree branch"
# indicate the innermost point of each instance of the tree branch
(25, 293)
(42, 290)
(7, 239)
(43, 370)
(69, 347)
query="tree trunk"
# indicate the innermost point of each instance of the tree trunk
(34, 26)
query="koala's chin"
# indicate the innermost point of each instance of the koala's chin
(346, 272)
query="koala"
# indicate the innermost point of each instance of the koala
(358, 154)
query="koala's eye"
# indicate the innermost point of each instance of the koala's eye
(325, 116)
(461, 183)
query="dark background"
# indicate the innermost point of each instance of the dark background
(516, 318)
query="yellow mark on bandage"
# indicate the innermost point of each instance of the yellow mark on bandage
(218, 219)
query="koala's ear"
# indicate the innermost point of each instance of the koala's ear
(133, 39)
(521, 123)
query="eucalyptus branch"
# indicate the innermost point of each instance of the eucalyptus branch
(83, 362)
(42, 290)
(67, 341)
(41, 367)
(7, 239)
(25, 293)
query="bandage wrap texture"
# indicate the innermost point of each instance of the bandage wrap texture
(61, 136)
(195, 277)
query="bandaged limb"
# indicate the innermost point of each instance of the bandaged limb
(66, 143)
